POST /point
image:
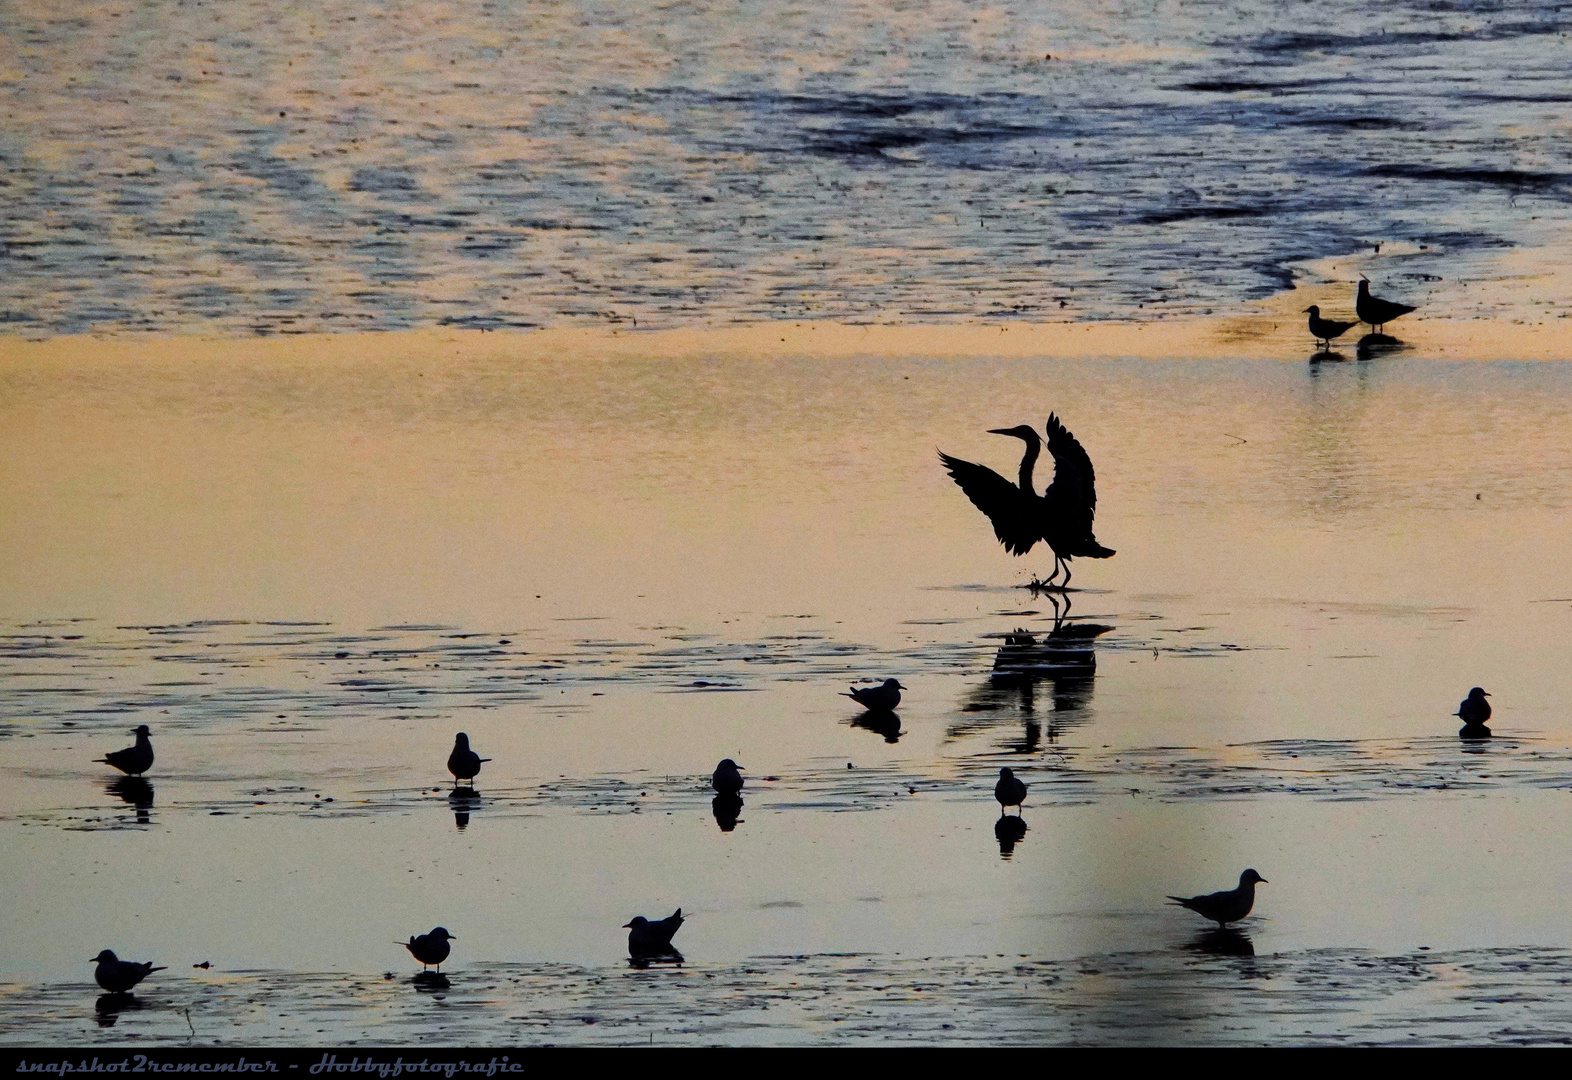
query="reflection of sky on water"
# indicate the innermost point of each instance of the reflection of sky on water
(344, 167)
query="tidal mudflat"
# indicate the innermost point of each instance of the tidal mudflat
(306, 575)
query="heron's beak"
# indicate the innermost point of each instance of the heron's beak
(998, 431)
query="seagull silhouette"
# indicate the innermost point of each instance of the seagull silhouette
(1374, 310)
(727, 780)
(1474, 710)
(119, 976)
(1227, 906)
(647, 938)
(432, 948)
(133, 760)
(1061, 516)
(463, 762)
(1324, 330)
(882, 698)
(1009, 791)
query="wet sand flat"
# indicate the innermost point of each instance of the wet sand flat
(305, 573)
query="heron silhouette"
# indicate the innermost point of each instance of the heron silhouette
(1061, 516)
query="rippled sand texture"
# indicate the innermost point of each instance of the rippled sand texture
(241, 166)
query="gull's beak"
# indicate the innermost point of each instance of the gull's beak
(627, 926)
(1361, 275)
(1307, 309)
(1263, 881)
(1487, 693)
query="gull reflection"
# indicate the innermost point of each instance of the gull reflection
(428, 981)
(726, 806)
(1325, 356)
(134, 791)
(462, 801)
(1063, 662)
(1222, 942)
(1009, 830)
(1373, 345)
(887, 724)
(108, 1007)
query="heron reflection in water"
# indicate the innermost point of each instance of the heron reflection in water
(1063, 658)
(1061, 516)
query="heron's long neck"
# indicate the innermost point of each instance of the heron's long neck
(1033, 448)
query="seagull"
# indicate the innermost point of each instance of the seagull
(133, 760)
(1009, 791)
(1227, 906)
(646, 938)
(1474, 710)
(1061, 516)
(119, 976)
(1374, 310)
(463, 762)
(882, 698)
(727, 780)
(1324, 330)
(432, 948)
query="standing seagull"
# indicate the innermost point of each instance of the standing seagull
(647, 938)
(1474, 710)
(881, 698)
(133, 760)
(1227, 906)
(727, 779)
(1324, 330)
(119, 976)
(1061, 516)
(463, 762)
(1009, 791)
(1374, 310)
(432, 948)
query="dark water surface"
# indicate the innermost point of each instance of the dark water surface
(244, 167)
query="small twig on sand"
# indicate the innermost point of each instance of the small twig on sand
(1241, 441)
(189, 1024)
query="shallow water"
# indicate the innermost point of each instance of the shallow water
(240, 167)
(305, 577)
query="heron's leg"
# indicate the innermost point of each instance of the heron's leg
(1047, 582)
(1065, 587)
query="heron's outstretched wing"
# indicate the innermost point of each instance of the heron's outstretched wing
(1007, 506)
(1073, 493)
